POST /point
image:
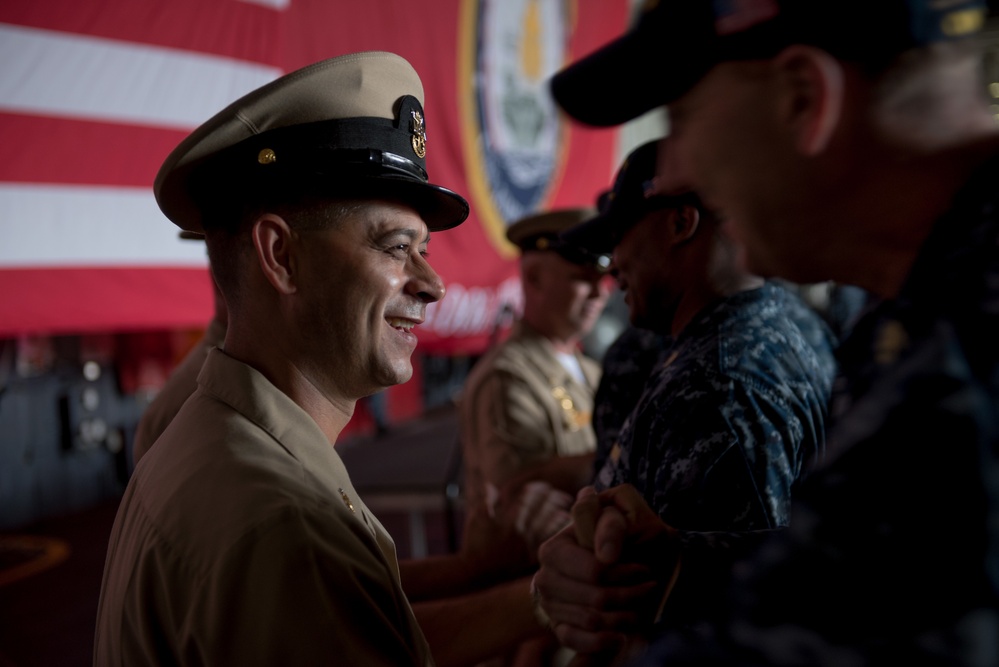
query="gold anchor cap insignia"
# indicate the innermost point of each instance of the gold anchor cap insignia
(419, 131)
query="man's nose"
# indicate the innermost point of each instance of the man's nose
(425, 284)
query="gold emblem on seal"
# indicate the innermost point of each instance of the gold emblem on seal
(419, 135)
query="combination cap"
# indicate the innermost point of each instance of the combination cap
(349, 126)
(543, 232)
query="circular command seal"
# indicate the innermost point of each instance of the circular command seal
(513, 134)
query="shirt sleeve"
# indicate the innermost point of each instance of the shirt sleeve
(721, 455)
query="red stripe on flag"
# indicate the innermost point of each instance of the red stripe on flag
(65, 301)
(232, 28)
(591, 146)
(80, 152)
(43, 149)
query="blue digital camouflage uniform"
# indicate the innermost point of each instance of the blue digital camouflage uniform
(726, 423)
(892, 555)
(627, 364)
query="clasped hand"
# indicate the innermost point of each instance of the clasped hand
(603, 577)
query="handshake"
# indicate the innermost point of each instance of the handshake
(605, 576)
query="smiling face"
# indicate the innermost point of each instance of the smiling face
(364, 284)
(562, 299)
(579, 296)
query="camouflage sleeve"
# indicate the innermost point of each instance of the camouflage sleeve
(727, 460)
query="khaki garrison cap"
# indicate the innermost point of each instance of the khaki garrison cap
(542, 231)
(351, 125)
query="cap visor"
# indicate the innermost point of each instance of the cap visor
(673, 41)
(597, 235)
(439, 207)
(598, 90)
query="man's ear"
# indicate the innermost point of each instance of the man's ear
(811, 96)
(684, 222)
(272, 239)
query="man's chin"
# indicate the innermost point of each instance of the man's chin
(396, 373)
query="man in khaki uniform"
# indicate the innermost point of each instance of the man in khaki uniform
(529, 400)
(240, 539)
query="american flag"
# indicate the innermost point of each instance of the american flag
(95, 94)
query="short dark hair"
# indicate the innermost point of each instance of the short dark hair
(227, 230)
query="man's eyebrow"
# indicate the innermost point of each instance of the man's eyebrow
(410, 232)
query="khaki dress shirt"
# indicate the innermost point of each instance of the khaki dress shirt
(177, 389)
(521, 407)
(241, 541)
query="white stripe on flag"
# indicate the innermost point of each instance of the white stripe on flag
(273, 4)
(52, 226)
(61, 74)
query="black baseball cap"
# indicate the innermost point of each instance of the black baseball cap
(631, 198)
(678, 41)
